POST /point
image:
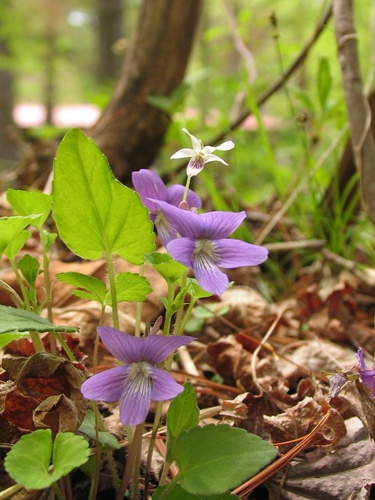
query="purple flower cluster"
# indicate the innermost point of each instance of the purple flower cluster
(199, 241)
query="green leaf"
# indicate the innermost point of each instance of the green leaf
(18, 320)
(213, 459)
(131, 287)
(105, 438)
(6, 338)
(94, 289)
(69, 451)
(29, 267)
(183, 414)
(30, 202)
(9, 227)
(195, 291)
(29, 460)
(177, 493)
(17, 243)
(168, 268)
(324, 81)
(95, 214)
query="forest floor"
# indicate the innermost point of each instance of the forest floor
(280, 370)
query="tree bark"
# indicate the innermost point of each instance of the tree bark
(110, 17)
(130, 132)
(359, 112)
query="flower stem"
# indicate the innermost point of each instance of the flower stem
(112, 288)
(187, 185)
(151, 445)
(132, 459)
(138, 313)
(47, 287)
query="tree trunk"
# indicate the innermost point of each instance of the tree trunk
(130, 131)
(110, 16)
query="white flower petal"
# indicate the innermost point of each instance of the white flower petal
(183, 153)
(208, 158)
(197, 146)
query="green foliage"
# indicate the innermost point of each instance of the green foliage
(18, 320)
(26, 203)
(168, 268)
(213, 459)
(29, 267)
(95, 214)
(28, 462)
(10, 227)
(87, 428)
(183, 414)
(177, 493)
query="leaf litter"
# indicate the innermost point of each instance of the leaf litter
(280, 386)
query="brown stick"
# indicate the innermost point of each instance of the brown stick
(359, 113)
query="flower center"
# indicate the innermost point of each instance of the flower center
(139, 377)
(195, 165)
(205, 254)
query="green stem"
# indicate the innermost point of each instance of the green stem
(169, 486)
(132, 458)
(25, 294)
(138, 313)
(187, 185)
(95, 483)
(65, 346)
(10, 492)
(177, 325)
(151, 445)
(112, 288)
(57, 491)
(168, 309)
(48, 289)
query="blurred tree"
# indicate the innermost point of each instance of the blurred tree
(110, 31)
(8, 149)
(130, 131)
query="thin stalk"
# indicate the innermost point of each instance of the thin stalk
(177, 326)
(65, 346)
(132, 457)
(48, 289)
(25, 295)
(169, 486)
(112, 288)
(187, 185)
(57, 491)
(168, 309)
(151, 445)
(138, 312)
(95, 483)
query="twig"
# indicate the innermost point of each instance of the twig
(259, 478)
(278, 84)
(359, 113)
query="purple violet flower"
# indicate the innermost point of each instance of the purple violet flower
(204, 246)
(367, 374)
(138, 381)
(149, 185)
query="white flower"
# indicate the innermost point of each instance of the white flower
(200, 155)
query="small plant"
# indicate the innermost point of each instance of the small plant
(97, 217)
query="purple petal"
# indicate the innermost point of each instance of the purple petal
(236, 253)
(218, 225)
(164, 385)
(185, 222)
(181, 249)
(209, 277)
(156, 348)
(149, 185)
(175, 194)
(367, 374)
(136, 397)
(105, 386)
(165, 230)
(121, 345)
